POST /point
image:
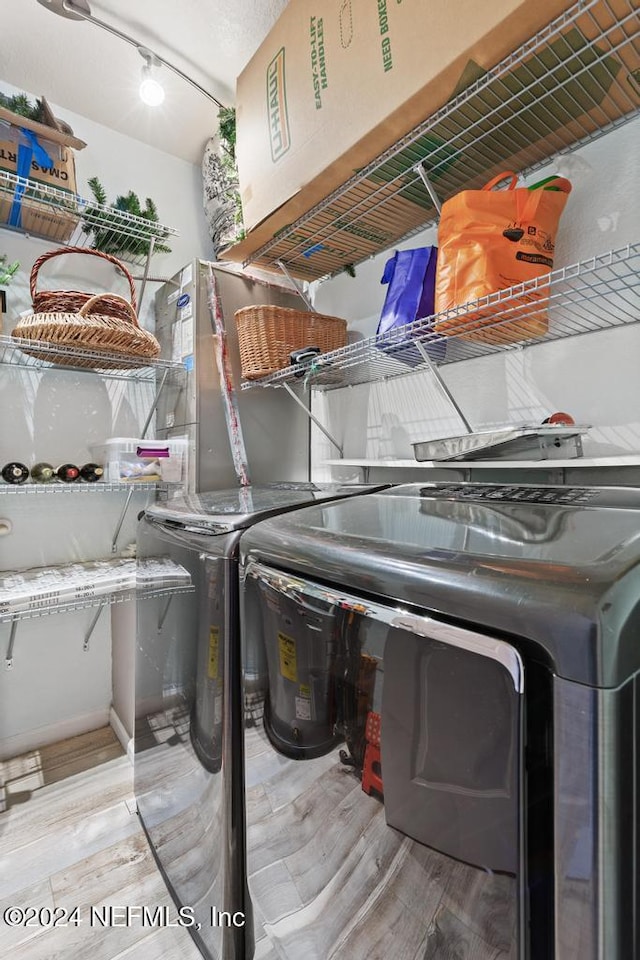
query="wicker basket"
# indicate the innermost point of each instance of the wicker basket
(268, 334)
(85, 331)
(70, 301)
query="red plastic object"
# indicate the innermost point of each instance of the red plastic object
(372, 766)
(561, 417)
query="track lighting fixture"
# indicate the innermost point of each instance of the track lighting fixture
(151, 90)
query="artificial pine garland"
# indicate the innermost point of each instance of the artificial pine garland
(21, 104)
(117, 239)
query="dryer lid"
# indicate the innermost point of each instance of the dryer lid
(556, 566)
(220, 511)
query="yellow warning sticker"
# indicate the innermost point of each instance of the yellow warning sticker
(305, 691)
(214, 637)
(288, 665)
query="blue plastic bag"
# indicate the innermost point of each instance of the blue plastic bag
(410, 275)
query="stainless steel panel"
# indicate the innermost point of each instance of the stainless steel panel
(175, 330)
(596, 821)
(275, 430)
(184, 783)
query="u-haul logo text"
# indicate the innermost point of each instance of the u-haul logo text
(277, 107)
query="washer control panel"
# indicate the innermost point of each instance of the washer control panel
(509, 493)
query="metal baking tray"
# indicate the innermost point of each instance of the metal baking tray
(527, 442)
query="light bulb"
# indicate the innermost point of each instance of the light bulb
(151, 92)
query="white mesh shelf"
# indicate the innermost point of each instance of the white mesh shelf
(70, 220)
(11, 353)
(597, 294)
(574, 81)
(75, 586)
(64, 588)
(60, 489)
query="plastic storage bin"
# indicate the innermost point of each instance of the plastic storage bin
(129, 459)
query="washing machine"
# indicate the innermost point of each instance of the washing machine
(441, 725)
(188, 746)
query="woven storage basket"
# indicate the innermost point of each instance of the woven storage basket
(95, 332)
(70, 301)
(268, 334)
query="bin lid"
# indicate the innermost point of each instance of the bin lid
(557, 568)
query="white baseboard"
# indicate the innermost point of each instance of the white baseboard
(52, 733)
(120, 731)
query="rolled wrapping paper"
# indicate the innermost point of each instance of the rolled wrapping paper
(154, 570)
(41, 587)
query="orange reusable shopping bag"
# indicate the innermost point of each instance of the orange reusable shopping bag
(489, 240)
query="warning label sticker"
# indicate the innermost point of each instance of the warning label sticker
(214, 643)
(303, 708)
(287, 651)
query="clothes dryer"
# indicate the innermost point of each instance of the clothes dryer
(188, 748)
(441, 742)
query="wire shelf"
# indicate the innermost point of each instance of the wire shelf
(54, 214)
(163, 590)
(576, 80)
(74, 589)
(69, 606)
(597, 294)
(11, 353)
(58, 488)
(65, 588)
(160, 577)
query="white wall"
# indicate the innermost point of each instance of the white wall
(594, 377)
(54, 688)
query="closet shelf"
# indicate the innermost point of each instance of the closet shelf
(617, 460)
(70, 220)
(161, 576)
(163, 589)
(43, 608)
(76, 586)
(59, 488)
(65, 588)
(597, 294)
(571, 83)
(12, 355)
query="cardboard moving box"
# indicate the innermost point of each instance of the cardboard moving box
(41, 153)
(338, 83)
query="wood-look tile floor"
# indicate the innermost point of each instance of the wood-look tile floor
(70, 837)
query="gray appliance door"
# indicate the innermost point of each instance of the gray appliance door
(383, 778)
(187, 600)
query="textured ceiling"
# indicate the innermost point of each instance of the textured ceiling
(82, 68)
